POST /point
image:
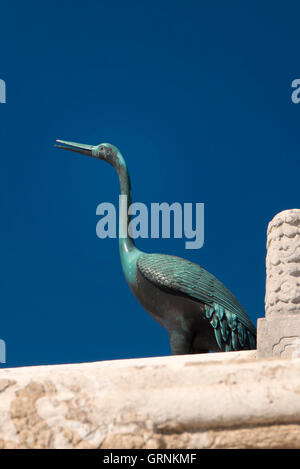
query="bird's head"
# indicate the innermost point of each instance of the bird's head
(104, 151)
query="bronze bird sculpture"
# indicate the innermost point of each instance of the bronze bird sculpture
(198, 311)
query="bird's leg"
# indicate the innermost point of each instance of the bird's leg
(180, 342)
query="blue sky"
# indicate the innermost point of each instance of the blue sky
(198, 98)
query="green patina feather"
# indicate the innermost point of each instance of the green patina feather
(233, 328)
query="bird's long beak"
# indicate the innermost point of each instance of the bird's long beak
(77, 147)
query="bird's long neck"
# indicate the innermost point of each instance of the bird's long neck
(127, 247)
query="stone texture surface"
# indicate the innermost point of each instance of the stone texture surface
(225, 400)
(283, 264)
(278, 335)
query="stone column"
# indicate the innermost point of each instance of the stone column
(278, 334)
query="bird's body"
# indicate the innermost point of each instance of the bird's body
(196, 309)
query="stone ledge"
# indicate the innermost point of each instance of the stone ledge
(224, 400)
(278, 336)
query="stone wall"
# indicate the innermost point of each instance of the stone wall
(225, 400)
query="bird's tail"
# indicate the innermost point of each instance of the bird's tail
(230, 332)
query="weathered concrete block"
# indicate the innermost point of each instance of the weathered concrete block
(222, 400)
(279, 333)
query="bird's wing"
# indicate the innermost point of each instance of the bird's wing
(227, 316)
